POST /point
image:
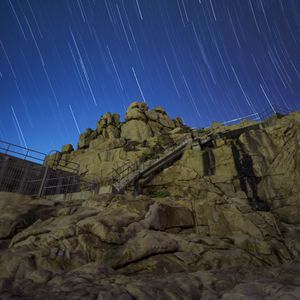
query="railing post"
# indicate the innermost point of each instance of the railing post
(137, 187)
(40, 193)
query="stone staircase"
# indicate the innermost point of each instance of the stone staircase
(131, 173)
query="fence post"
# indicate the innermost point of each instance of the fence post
(40, 193)
(3, 170)
(22, 186)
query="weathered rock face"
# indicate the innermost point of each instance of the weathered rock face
(142, 124)
(222, 222)
(136, 130)
(68, 148)
(85, 138)
(142, 132)
(243, 187)
(87, 249)
(108, 126)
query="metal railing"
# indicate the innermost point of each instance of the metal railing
(128, 172)
(21, 152)
(24, 171)
(275, 110)
(55, 160)
(261, 116)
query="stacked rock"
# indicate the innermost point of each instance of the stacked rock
(109, 126)
(142, 124)
(85, 138)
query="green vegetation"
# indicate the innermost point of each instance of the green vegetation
(159, 194)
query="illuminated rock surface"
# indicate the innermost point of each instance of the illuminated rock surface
(222, 221)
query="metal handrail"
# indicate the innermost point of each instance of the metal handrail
(130, 171)
(138, 168)
(271, 111)
(58, 162)
(7, 150)
(261, 116)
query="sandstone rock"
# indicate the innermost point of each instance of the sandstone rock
(144, 244)
(152, 115)
(111, 132)
(178, 130)
(165, 140)
(161, 217)
(85, 138)
(136, 130)
(193, 160)
(173, 174)
(18, 212)
(135, 114)
(156, 127)
(107, 144)
(159, 110)
(68, 148)
(178, 122)
(224, 222)
(142, 106)
(137, 111)
(106, 120)
(165, 121)
(53, 159)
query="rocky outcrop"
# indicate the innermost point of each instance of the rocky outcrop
(18, 212)
(85, 138)
(113, 143)
(220, 222)
(108, 126)
(113, 246)
(136, 130)
(66, 149)
(142, 124)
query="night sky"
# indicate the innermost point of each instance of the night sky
(65, 63)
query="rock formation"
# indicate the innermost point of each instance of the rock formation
(220, 222)
(113, 143)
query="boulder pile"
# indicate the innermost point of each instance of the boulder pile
(140, 124)
(221, 222)
(142, 135)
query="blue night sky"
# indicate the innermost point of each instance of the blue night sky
(65, 63)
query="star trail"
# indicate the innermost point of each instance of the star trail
(65, 63)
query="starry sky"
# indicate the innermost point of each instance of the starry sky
(64, 63)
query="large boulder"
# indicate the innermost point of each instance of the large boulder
(152, 115)
(165, 121)
(18, 212)
(111, 132)
(159, 116)
(108, 125)
(68, 148)
(161, 217)
(136, 111)
(178, 122)
(156, 127)
(136, 130)
(85, 138)
(142, 106)
(135, 114)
